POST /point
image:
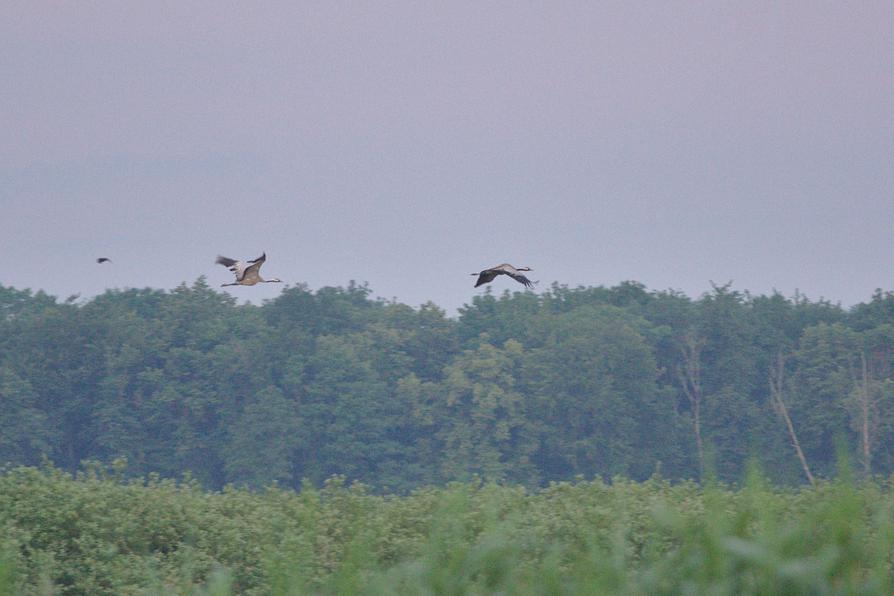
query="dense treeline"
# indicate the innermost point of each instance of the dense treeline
(522, 388)
(99, 534)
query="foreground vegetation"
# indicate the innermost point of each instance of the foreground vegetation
(99, 533)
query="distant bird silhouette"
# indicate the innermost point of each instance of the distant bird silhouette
(488, 275)
(246, 275)
(102, 260)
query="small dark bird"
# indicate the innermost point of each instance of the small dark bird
(102, 260)
(488, 275)
(246, 275)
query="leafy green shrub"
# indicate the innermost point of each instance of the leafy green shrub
(99, 533)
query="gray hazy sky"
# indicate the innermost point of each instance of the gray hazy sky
(408, 144)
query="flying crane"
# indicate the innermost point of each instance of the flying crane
(488, 275)
(246, 274)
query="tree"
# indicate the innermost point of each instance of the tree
(827, 365)
(349, 423)
(597, 405)
(261, 441)
(690, 375)
(777, 384)
(24, 433)
(734, 412)
(486, 430)
(873, 394)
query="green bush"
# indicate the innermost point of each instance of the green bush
(98, 533)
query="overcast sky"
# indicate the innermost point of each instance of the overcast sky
(408, 144)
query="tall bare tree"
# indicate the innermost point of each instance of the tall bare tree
(866, 407)
(690, 375)
(777, 383)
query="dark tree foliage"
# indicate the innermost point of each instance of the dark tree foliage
(521, 387)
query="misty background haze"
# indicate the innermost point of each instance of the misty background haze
(408, 145)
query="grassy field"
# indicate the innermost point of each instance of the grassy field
(100, 534)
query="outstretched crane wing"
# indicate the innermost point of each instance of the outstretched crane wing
(486, 276)
(521, 279)
(225, 261)
(237, 267)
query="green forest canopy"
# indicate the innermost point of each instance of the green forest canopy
(523, 387)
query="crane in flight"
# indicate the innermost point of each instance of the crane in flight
(247, 274)
(488, 275)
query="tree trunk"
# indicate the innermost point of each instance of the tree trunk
(865, 398)
(691, 380)
(776, 388)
